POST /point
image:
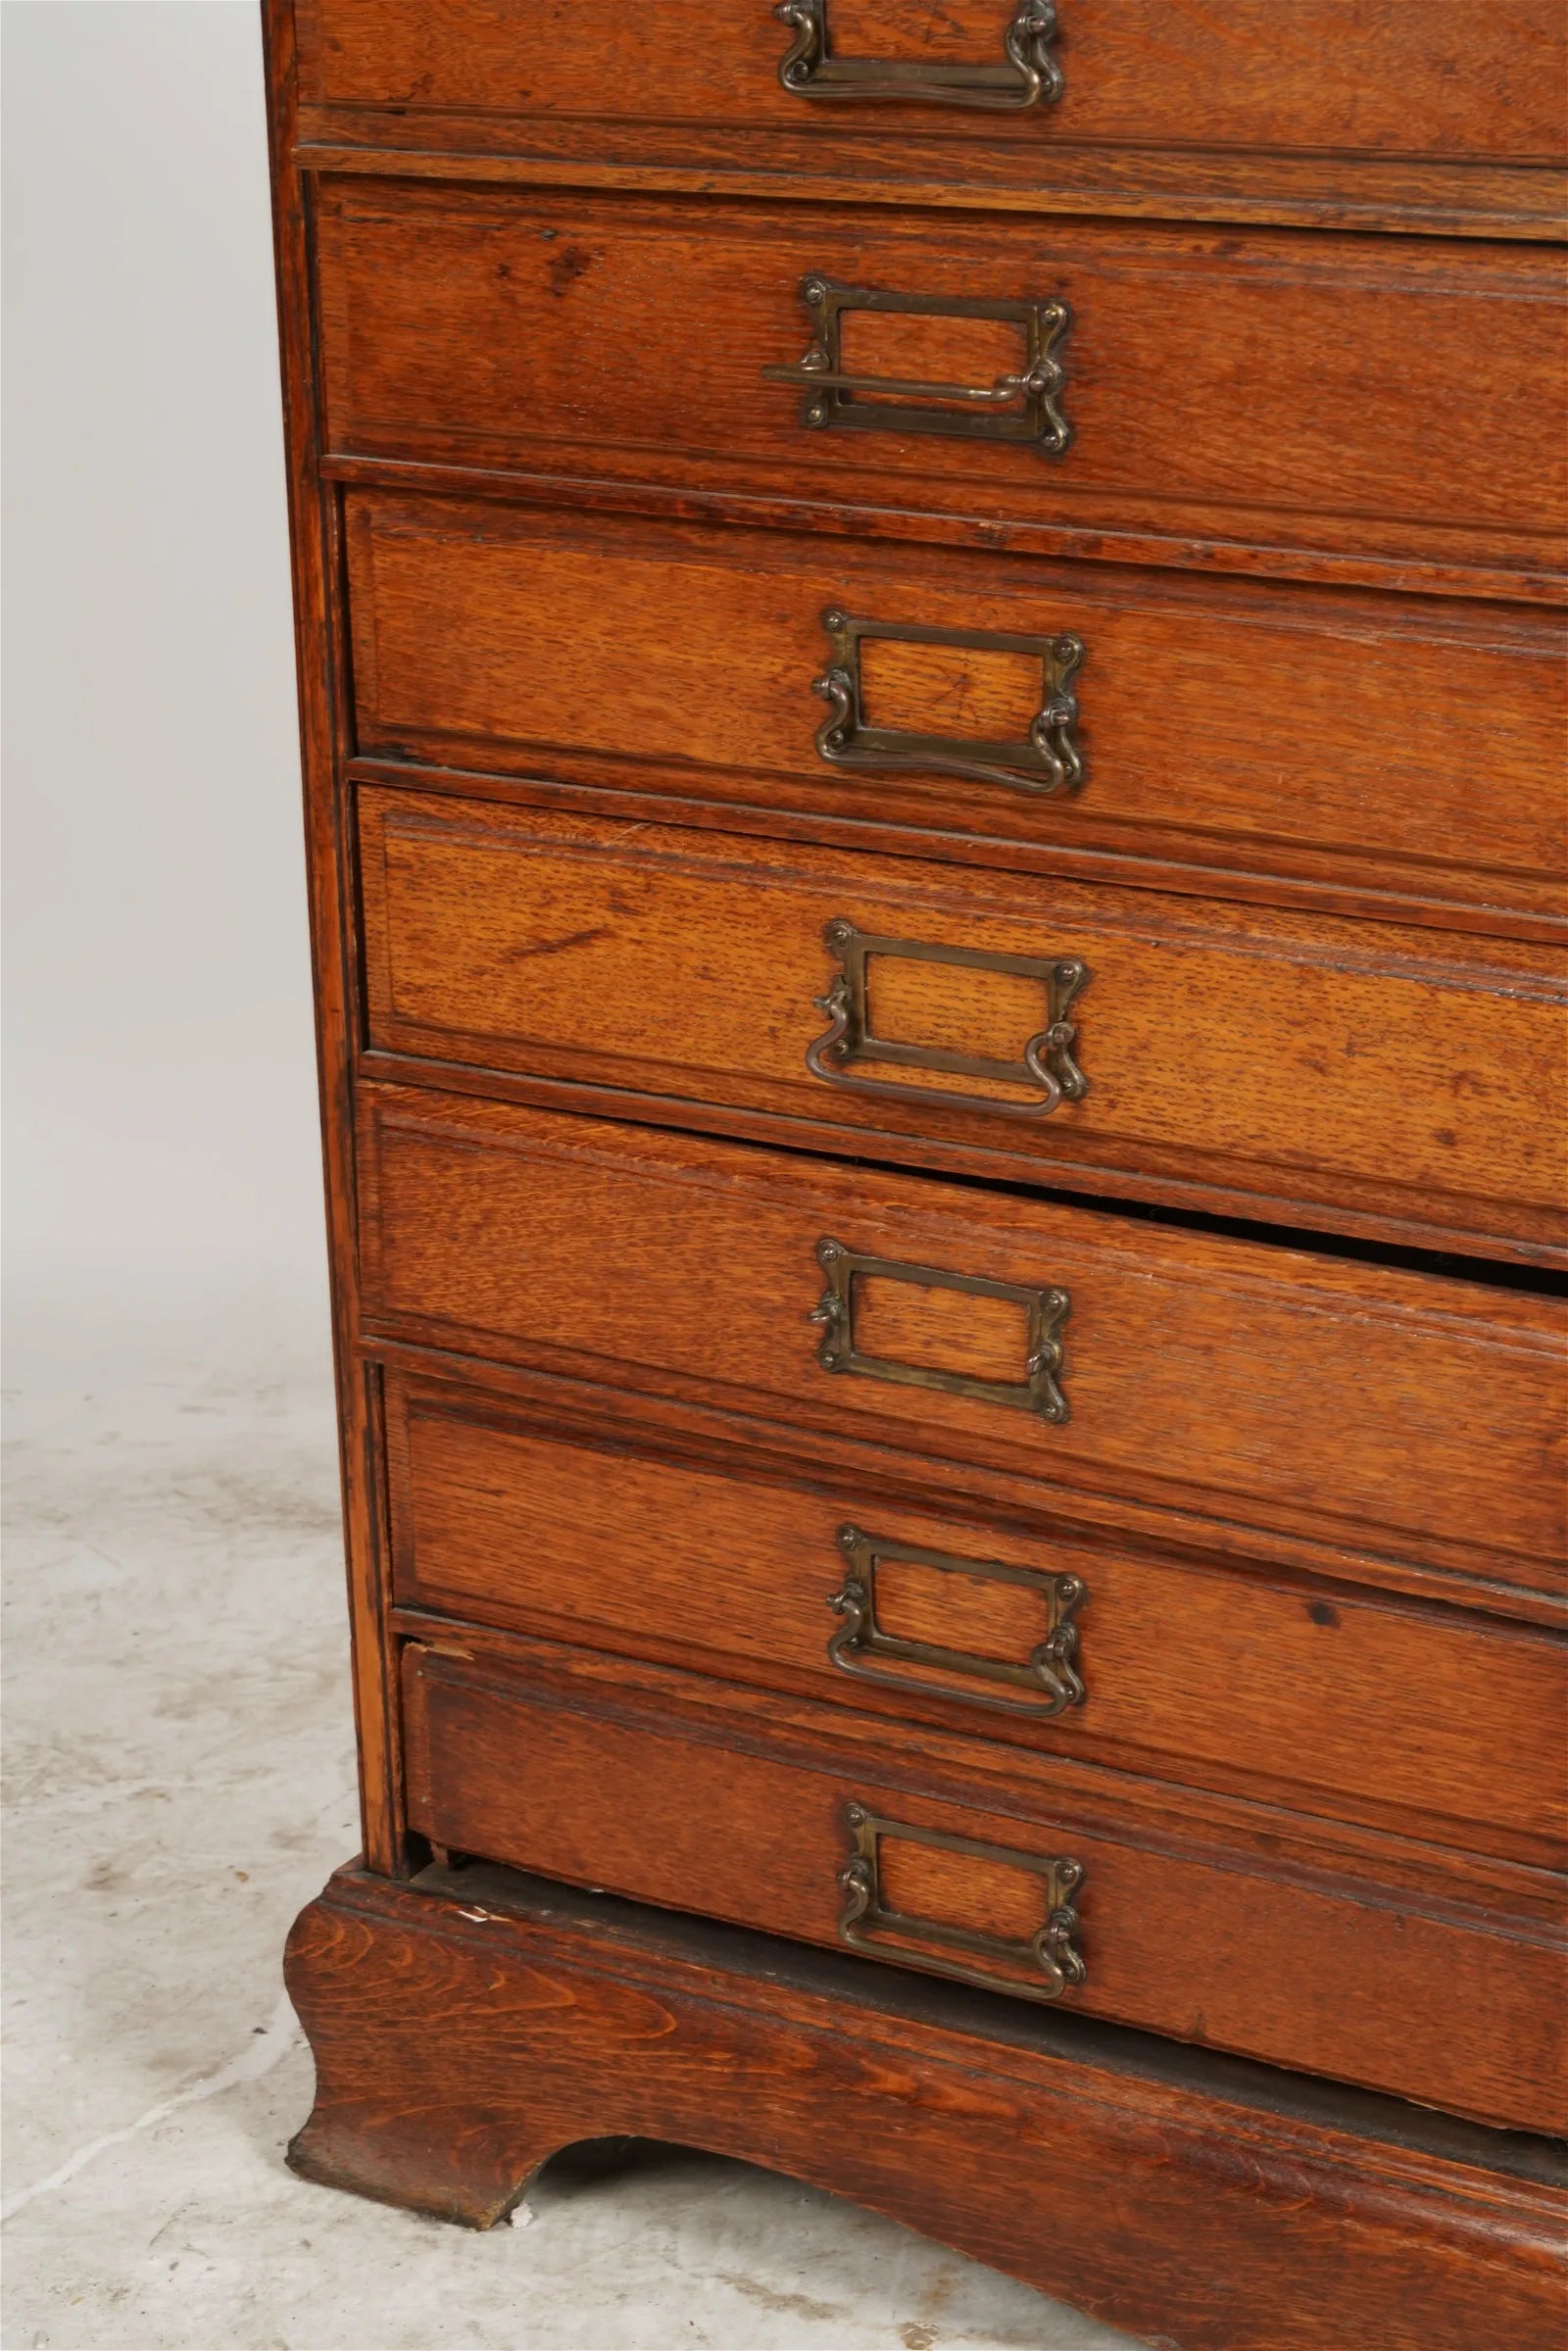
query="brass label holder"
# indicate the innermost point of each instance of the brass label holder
(860, 1647)
(1045, 1310)
(1044, 762)
(1045, 1063)
(1028, 75)
(1051, 1955)
(1019, 407)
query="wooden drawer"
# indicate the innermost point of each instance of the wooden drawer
(1391, 1412)
(598, 336)
(1261, 730)
(1151, 111)
(1293, 1068)
(1403, 1968)
(1440, 80)
(1329, 1698)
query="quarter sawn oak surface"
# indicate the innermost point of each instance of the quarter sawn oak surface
(1326, 114)
(1284, 1064)
(468, 2026)
(941, 1011)
(1248, 1383)
(1246, 1684)
(526, 1756)
(661, 317)
(1251, 731)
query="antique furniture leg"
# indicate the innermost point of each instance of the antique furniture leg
(469, 2025)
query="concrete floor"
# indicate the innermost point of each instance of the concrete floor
(181, 1783)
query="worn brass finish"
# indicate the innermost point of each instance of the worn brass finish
(866, 1924)
(1046, 1310)
(1044, 762)
(1049, 1672)
(1019, 407)
(1028, 75)
(1046, 1060)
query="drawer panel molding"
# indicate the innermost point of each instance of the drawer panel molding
(1246, 1061)
(431, 353)
(1434, 1425)
(1328, 79)
(1283, 1941)
(1254, 730)
(638, 1539)
(1326, 113)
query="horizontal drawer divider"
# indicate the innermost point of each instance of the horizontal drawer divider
(580, 1409)
(1354, 1238)
(1373, 895)
(746, 1813)
(1438, 572)
(726, 1242)
(825, 1577)
(1111, 1803)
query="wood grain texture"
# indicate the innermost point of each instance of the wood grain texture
(1428, 1975)
(1034, 1501)
(1337, 1700)
(1327, 80)
(1060, 537)
(1199, 366)
(465, 2028)
(538, 256)
(1228, 733)
(315, 530)
(1327, 74)
(1286, 1062)
(1410, 1415)
(1359, 192)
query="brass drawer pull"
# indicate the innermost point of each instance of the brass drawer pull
(1004, 390)
(1044, 1312)
(1046, 1060)
(1044, 762)
(1051, 1956)
(1028, 76)
(1050, 1672)
(1019, 405)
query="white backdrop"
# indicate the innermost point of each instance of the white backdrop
(163, 1166)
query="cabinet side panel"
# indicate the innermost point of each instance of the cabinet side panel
(314, 530)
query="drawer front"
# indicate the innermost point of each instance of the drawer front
(1285, 1065)
(681, 343)
(1390, 1412)
(1443, 80)
(1332, 1699)
(834, 1833)
(1266, 729)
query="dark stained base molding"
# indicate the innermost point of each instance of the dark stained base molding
(471, 2023)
